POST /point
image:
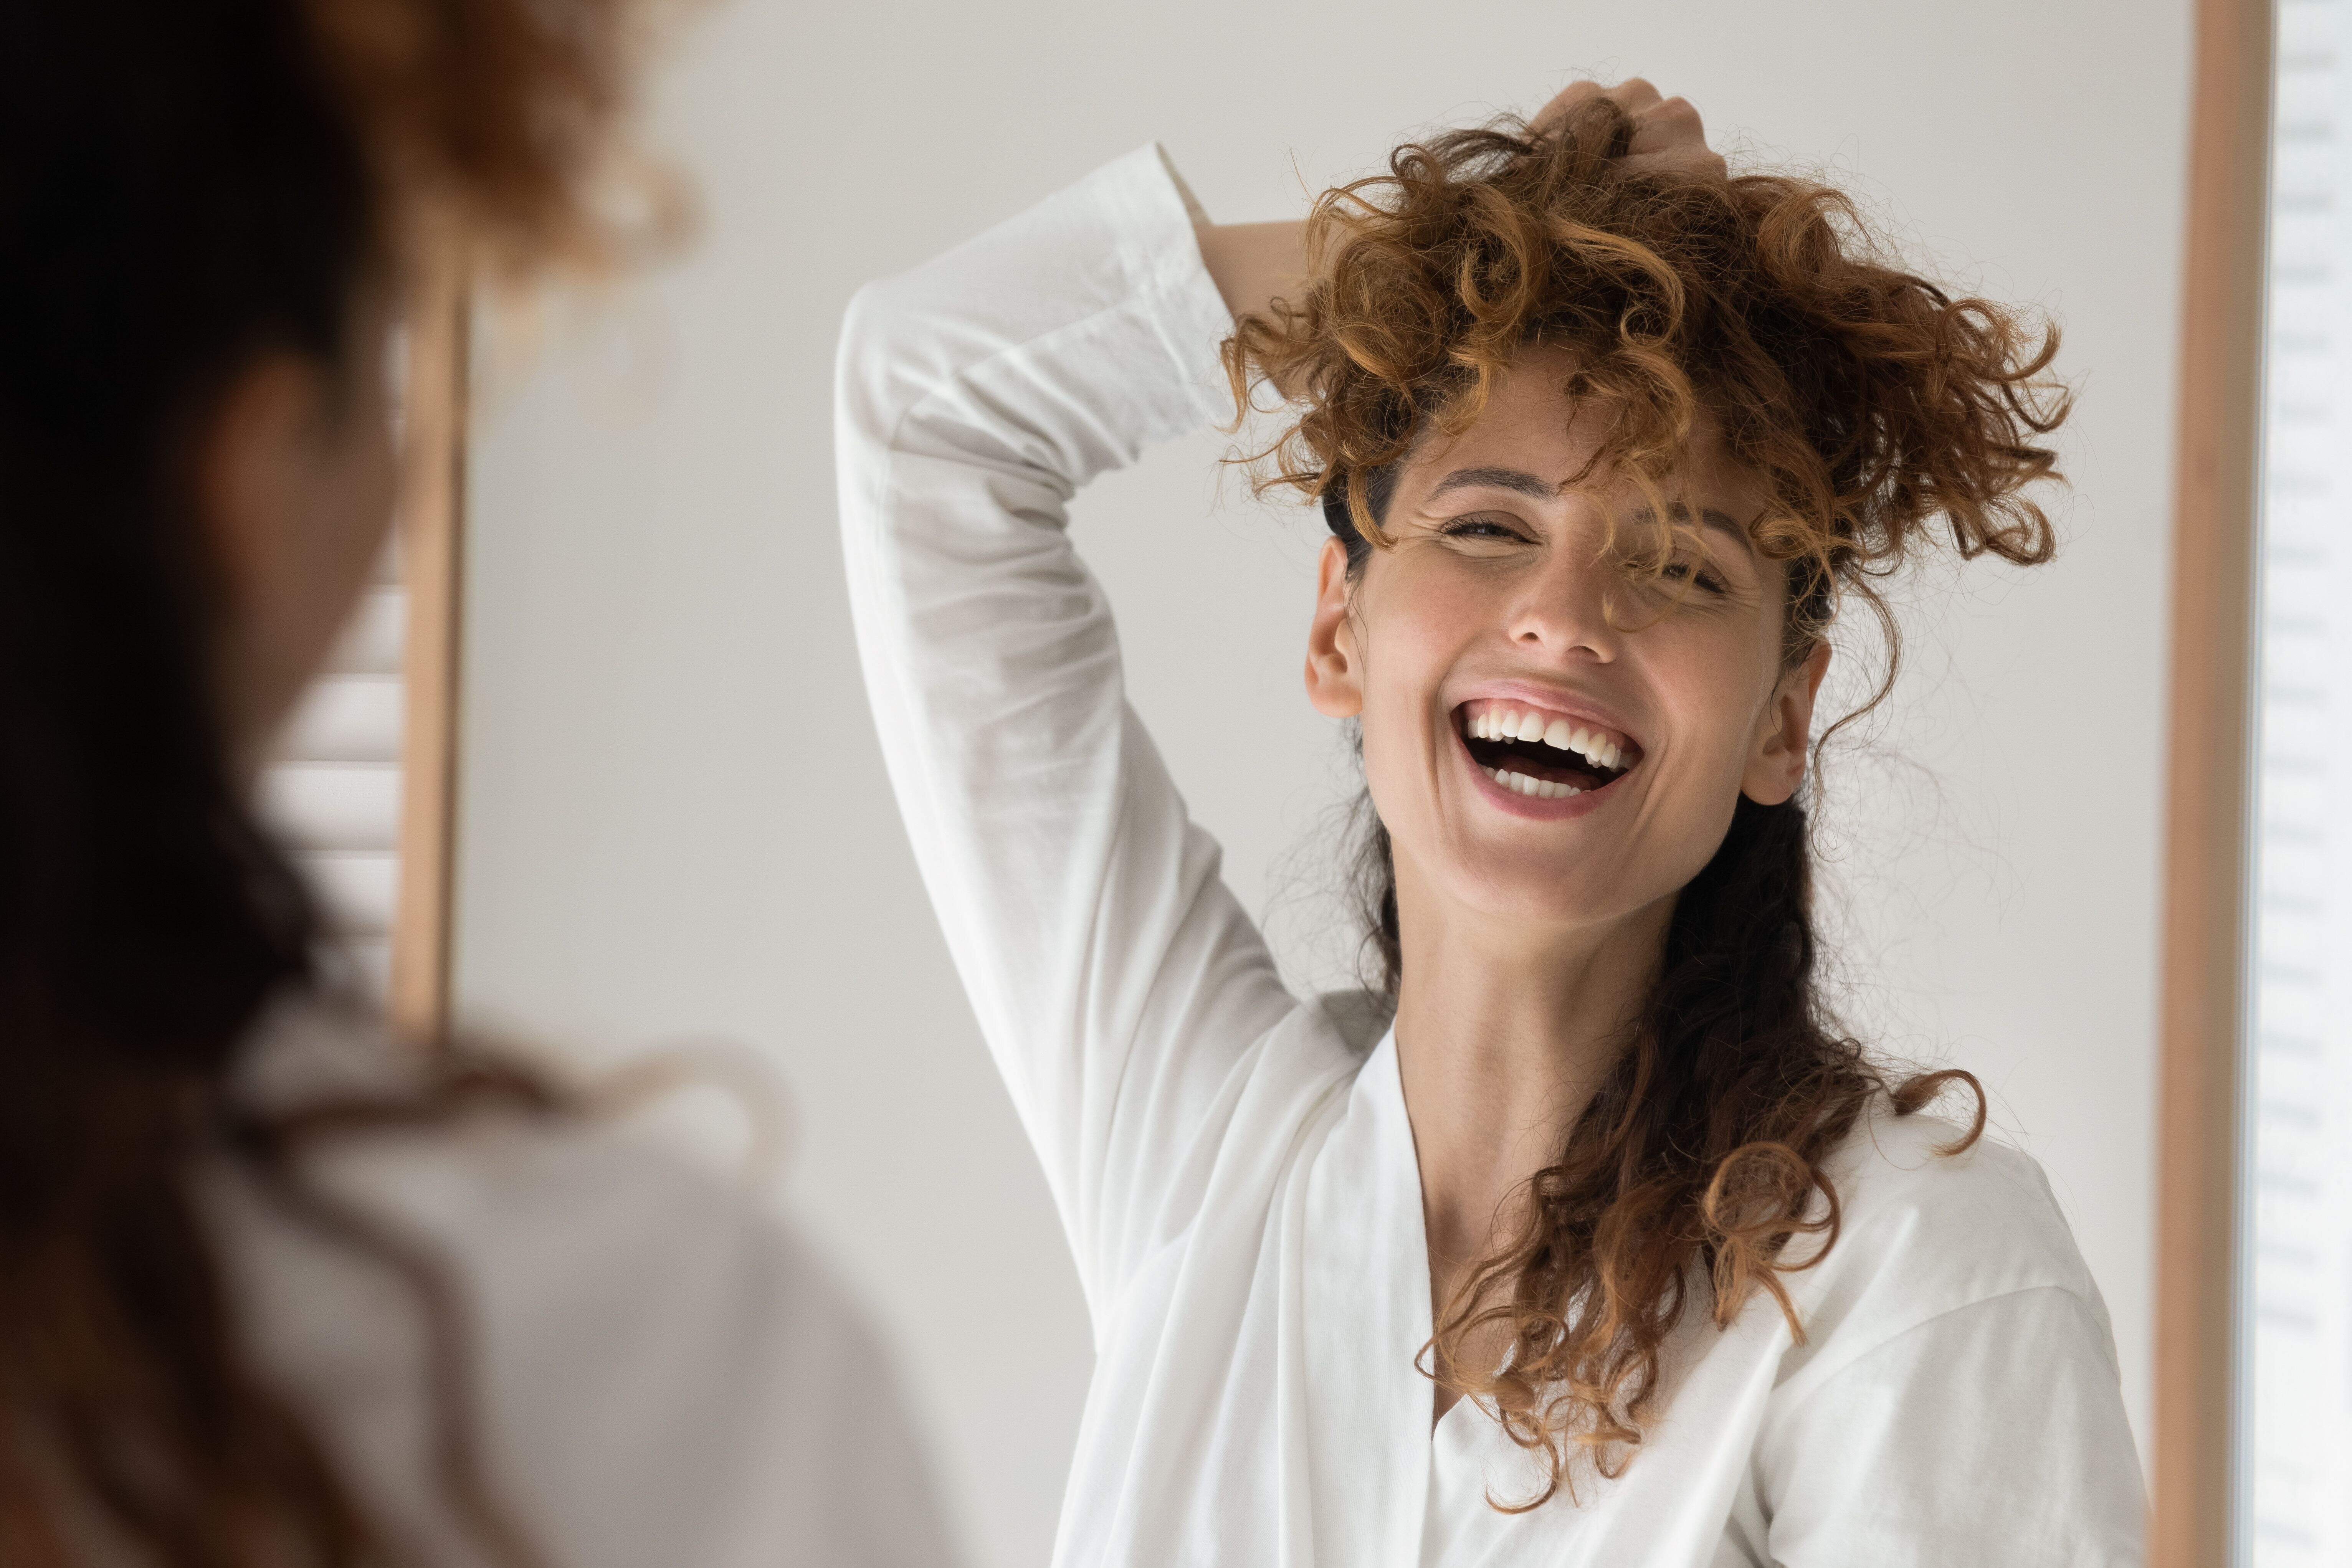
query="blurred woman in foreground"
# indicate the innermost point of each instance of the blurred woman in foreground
(274, 1289)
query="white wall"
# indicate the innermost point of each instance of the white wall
(675, 817)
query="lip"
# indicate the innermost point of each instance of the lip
(1551, 700)
(1527, 805)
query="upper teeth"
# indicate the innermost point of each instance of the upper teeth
(1501, 723)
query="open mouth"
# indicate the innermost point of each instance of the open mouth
(1544, 755)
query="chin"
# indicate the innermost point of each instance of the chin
(1543, 892)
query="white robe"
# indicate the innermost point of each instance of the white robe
(1233, 1164)
(662, 1375)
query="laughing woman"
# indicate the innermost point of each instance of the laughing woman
(1599, 1244)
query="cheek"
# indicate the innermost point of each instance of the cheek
(1415, 610)
(348, 525)
(370, 484)
(1411, 628)
(1712, 692)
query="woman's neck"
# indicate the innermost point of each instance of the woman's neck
(1504, 1032)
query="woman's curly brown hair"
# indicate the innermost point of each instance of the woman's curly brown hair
(1870, 401)
(1872, 405)
(489, 125)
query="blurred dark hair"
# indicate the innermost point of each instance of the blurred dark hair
(185, 186)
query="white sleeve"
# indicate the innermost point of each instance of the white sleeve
(1993, 1433)
(1118, 981)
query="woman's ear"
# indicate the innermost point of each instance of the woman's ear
(1775, 762)
(1334, 671)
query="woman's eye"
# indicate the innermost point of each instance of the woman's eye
(1480, 528)
(1694, 572)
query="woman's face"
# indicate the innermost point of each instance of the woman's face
(297, 487)
(1549, 737)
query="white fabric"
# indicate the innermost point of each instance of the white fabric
(663, 1373)
(1237, 1173)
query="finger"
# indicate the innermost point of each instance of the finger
(1672, 122)
(1634, 95)
(1675, 111)
(1679, 163)
(1566, 102)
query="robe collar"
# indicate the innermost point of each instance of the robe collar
(1365, 1300)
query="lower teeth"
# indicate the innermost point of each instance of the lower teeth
(1542, 789)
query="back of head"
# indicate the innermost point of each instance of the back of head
(185, 185)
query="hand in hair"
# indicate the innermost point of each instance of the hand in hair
(1667, 131)
(1254, 264)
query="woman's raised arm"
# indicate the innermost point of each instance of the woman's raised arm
(1119, 983)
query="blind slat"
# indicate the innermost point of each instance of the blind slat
(2298, 1159)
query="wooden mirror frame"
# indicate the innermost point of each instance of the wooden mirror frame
(432, 534)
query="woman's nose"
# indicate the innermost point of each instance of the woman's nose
(1562, 607)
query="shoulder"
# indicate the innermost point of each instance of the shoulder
(658, 1357)
(1906, 1179)
(1954, 1349)
(1923, 1232)
(523, 1202)
(567, 1237)
(583, 1228)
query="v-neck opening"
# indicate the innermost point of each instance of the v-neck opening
(1393, 1068)
(1369, 1317)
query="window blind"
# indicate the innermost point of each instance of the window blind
(2296, 1337)
(332, 789)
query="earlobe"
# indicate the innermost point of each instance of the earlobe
(1334, 683)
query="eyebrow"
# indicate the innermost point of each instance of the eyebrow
(1722, 523)
(1515, 479)
(1520, 483)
